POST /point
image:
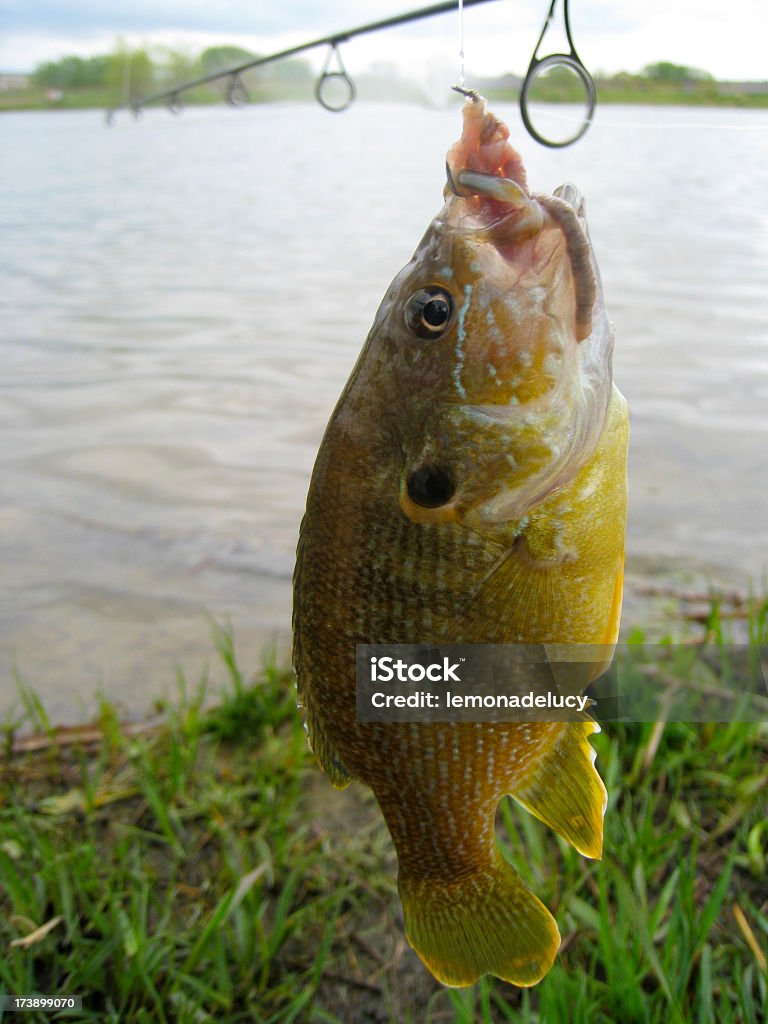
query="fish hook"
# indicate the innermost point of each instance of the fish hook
(340, 75)
(539, 65)
(471, 94)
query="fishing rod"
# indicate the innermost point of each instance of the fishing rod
(236, 88)
(237, 94)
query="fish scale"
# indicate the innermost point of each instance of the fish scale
(493, 512)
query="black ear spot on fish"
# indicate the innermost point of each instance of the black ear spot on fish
(430, 486)
(428, 312)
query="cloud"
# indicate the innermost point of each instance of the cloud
(499, 35)
(233, 16)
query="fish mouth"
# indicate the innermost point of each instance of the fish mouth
(482, 183)
(505, 190)
(502, 211)
(487, 182)
(487, 173)
(509, 198)
(499, 207)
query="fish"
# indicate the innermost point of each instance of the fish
(471, 487)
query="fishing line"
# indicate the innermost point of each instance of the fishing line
(461, 43)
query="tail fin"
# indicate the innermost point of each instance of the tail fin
(487, 923)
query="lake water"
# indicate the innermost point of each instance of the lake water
(183, 298)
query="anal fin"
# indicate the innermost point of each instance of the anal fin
(565, 791)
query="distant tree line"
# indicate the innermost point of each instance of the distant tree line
(561, 85)
(137, 71)
(677, 74)
(143, 68)
(127, 75)
(660, 83)
(73, 73)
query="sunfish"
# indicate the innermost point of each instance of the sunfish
(470, 487)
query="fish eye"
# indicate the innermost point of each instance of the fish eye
(428, 312)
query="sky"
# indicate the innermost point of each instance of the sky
(499, 36)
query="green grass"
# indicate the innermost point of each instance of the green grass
(206, 871)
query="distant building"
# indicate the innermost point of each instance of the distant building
(13, 80)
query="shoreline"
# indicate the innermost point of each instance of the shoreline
(658, 611)
(735, 101)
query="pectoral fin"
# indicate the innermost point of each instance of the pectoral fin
(319, 743)
(329, 760)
